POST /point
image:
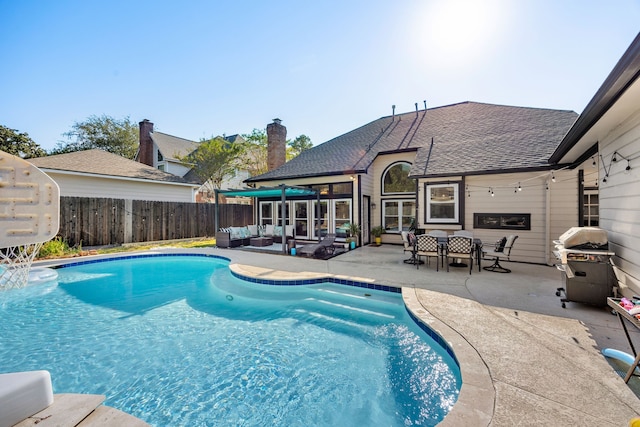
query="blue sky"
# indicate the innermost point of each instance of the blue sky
(204, 68)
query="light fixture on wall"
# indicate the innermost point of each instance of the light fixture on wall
(352, 177)
(373, 205)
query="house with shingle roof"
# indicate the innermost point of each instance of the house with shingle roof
(163, 151)
(97, 173)
(473, 166)
(607, 135)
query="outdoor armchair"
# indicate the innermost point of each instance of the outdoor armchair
(502, 250)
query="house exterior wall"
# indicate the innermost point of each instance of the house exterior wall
(77, 185)
(377, 170)
(620, 200)
(551, 211)
(173, 168)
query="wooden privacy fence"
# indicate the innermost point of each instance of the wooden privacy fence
(97, 221)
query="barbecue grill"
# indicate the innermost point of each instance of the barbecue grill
(585, 260)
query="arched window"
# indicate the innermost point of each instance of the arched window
(395, 179)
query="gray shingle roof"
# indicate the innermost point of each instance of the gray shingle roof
(99, 162)
(468, 138)
(173, 147)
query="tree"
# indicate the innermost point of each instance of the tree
(214, 161)
(19, 144)
(255, 152)
(255, 156)
(298, 145)
(104, 132)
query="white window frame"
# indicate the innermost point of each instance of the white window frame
(271, 219)
(400, 217)
(297, 219)
(334, 218)
(278, 208)
(456, 203)
(313, 217)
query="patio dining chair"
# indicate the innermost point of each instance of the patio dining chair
(460, 247)
(502, 250)
(427, 246)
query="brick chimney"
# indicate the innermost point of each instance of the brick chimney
(145, 150)
(276, 144)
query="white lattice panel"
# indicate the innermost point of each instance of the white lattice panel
(29, 203)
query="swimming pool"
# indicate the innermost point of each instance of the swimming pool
(177, 340)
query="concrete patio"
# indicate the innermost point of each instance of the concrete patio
(524, 359)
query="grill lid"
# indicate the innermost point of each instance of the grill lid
(584, 238)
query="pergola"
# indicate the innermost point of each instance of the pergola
(283, 191)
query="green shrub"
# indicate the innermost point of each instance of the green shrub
(53, 248)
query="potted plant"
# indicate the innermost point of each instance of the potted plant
(377, 232)
(353, 230)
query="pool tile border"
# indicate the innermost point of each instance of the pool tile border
(316, 280)
(121, 257)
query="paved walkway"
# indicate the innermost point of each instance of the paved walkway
(524, 359)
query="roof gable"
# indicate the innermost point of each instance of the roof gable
(99, 162)
(171, 147)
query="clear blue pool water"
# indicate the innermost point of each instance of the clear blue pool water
(179, 341)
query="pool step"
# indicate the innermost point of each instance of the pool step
(324, 304)
(80, 410)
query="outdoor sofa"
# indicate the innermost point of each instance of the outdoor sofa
(233, 237)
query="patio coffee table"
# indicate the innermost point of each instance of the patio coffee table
(261, 241)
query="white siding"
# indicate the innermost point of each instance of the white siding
(175, 168)
(552, 211)
(91, 186)
(620, 200)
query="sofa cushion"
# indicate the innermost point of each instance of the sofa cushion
(253, 230)
(236, 233)
(268, 229)
(277, 230)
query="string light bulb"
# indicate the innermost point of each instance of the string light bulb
(594, 161)
(519, 187)
(553, 177)
(628, 165)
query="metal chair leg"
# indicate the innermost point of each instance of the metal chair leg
(496, 267)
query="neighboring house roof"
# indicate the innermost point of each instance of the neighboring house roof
(468, 138)
(99, 162)
(616, 99)
(173, 147)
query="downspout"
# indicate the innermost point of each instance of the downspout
(283, 212)
(547, 223)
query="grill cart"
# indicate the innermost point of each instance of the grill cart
(584, 258)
